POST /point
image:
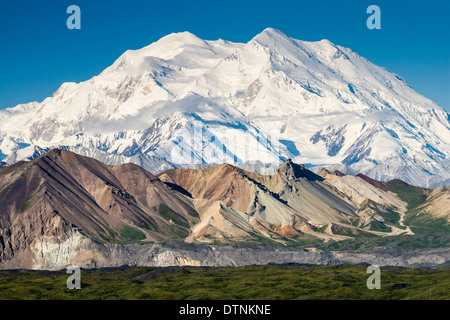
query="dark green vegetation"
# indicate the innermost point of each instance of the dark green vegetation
(26, 204)
(131, 233)
(425, 223)
(171, 215)
(417, 200)
(413, 196)
(242, 283)
(394, 244)
(390, 217)
(344, 231)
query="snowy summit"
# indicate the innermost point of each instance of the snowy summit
(329, 106)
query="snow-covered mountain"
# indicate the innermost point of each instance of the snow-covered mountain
(186, 102)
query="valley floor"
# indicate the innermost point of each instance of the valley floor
(275, 282)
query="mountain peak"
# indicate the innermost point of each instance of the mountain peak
(330, 106)
(181, 35)
(293, 171)
(273, 32)
(184, 37)
(270, 35)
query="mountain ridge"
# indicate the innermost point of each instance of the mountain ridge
(60, 207)
(314, 102)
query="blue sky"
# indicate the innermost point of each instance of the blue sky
(38, 53)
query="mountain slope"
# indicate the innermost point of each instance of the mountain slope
(62, 196)
(428, 209)
(394, 205)
(187, 102)
(294, 203)
(62, 208)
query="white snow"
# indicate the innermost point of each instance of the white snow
(328, 105)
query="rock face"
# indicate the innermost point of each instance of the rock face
(62, 208)
(86, 254)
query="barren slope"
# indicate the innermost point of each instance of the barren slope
(60, 193)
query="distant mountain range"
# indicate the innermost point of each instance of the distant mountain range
(184, 102)
(61, 207)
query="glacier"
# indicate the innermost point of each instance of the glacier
(184, 102)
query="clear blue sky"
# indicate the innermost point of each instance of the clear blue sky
(38, 53)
